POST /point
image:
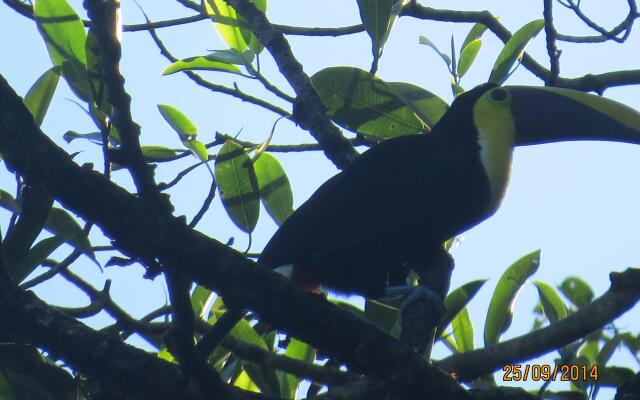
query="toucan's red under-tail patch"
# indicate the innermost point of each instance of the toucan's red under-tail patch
(302, 278)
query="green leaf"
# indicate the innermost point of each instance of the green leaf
(513, 50)
(424, 40)
(94, 137)
(206, 63)
(427, 106)
(29, 376)
(158, 153)
(609, 347)
(179, 122)
(265, 379)
(65, 37)
(476, 31)
(61, 224)
(504, 297)
(553, 306)
(197, 148)
(275, 190)
(577, 291)
(463, 331)
(377, 20)
(36, 256)
(614, 376)
(238, 185)
(94, 72)
(456, 301)
(297, 350)
(590, 350)
(199, 299)
(231, 27)
(8, 202)
(382, 315)
(362, 103)
(468, 56)
(39, 96)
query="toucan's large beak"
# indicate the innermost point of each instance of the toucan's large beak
(547, 115)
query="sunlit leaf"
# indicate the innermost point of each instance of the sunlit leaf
(178, 121)
(456, 301)
(476, 31)
(238, 185)
(463, 331)
(577, 291)
(362, 103)
(158, 153)
(199, 298)
(513, 50)
(39, 96)
(206, 63)
(554, 307)
(504, 296)
(377, 19)
(424, 40)
(468, 56)
(297, 350)
(231, 27)
(65, 36)
(275, 190)
(427, 106)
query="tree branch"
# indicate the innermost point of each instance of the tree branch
(309, 111)
(597, 83)
(621, 297)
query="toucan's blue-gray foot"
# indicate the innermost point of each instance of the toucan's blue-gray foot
(421, 312)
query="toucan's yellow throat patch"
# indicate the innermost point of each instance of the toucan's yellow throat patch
(496, 134)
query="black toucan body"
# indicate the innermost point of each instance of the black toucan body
(391, 210)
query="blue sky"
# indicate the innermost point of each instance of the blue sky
(575, 201)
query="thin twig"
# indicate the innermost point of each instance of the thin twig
(552, 49)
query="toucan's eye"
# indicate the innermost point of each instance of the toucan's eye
(499, 94)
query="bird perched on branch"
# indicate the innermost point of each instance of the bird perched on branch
(391, 210)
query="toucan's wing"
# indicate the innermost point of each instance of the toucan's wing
(394, 188)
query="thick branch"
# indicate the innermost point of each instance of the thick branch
(309, 111)
(103, 16)
(623, 295)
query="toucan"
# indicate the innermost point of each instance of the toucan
(390, 211)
